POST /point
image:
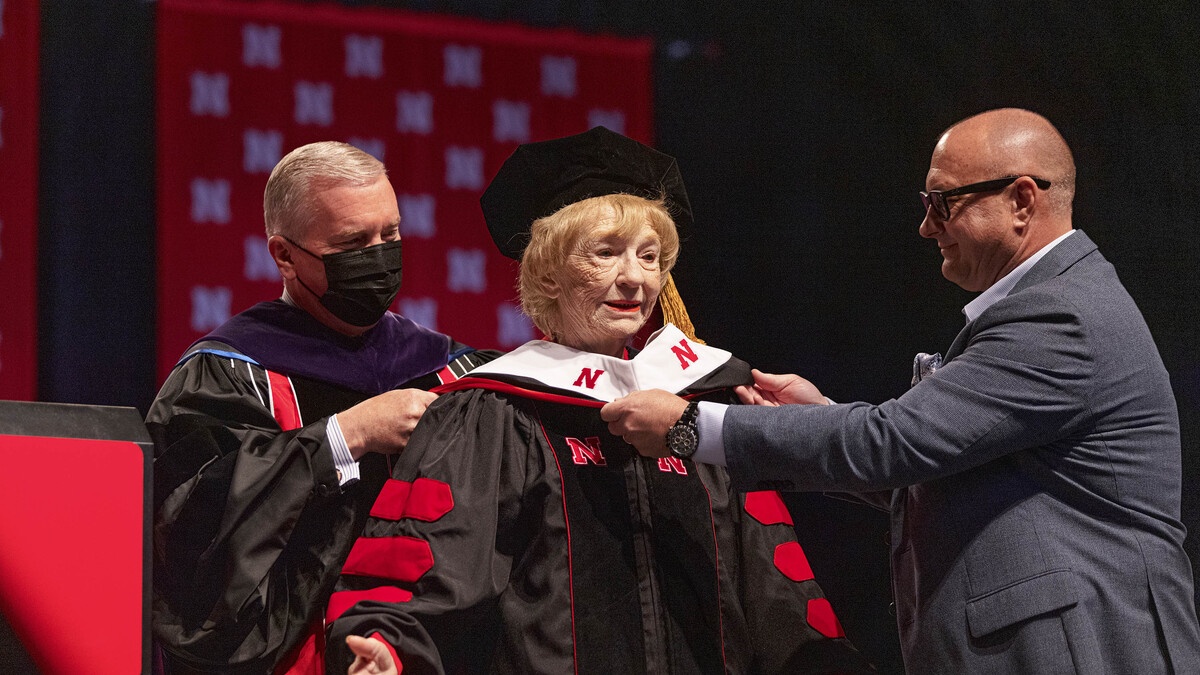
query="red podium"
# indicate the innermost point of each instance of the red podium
(74, 539)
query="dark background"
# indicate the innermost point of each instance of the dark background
(803, 131)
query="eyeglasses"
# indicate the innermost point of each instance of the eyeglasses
(937, 198)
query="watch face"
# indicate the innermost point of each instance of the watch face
(682, 440)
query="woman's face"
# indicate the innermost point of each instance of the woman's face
(607, 287)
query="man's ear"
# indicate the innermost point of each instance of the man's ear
(282, 254)
(1025, 200)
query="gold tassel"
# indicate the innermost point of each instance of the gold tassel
(673, 310)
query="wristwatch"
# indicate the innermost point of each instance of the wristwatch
(683, 437)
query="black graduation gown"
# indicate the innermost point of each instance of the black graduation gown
(518, 535)
(250, 524)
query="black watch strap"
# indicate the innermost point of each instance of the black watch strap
(690, 414)
(683, 437)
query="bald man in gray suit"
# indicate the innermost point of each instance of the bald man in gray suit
(1033, 476)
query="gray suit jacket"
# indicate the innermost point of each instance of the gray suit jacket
(1036, 478)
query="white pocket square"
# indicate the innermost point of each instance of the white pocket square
(924, 365)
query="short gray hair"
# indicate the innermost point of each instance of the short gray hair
(287, 207)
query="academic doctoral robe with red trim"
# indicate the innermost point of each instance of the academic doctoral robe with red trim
(250, 524)
(518, 535)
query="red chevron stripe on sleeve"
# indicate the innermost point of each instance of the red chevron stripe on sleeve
(767, 508)
(399, 558)
(429, 500)
(423, 499)
(822, 618)
(343, 600)
(790, 559)
(389, 505)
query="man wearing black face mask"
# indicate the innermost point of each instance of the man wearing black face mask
(271, 432)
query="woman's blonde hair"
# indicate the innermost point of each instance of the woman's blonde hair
(551, 240)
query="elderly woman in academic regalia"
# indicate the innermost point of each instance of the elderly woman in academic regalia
(518, 535)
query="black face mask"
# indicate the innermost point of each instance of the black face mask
(362, 283)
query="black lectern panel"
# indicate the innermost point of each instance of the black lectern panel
(74, 539)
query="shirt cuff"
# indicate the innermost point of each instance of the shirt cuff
(343, 461)
(710, 428)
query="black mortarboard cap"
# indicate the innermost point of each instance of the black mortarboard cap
(541, 178)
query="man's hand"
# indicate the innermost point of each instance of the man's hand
(371, 657)
(385, 422)
(775, 390)
(643, 419)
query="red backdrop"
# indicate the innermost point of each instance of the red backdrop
(18, 198)
(442, 101)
